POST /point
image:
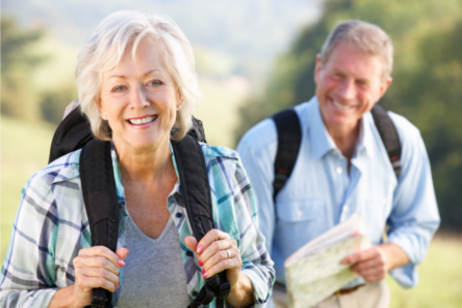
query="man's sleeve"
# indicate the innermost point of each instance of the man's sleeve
(258, 150)
(414, 217)
(28, 272)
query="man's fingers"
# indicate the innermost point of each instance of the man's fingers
(360, 256)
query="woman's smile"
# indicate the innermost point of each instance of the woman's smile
(143, 122)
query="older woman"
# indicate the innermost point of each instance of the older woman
(136, 83)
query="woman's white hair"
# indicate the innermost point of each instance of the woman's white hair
(367, 37)
(119, 34)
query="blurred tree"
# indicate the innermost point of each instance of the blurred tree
(17, 62)
(54, 102)
(427, 80)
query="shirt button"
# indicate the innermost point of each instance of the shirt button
(189, 253)
(345, 208)
(178, 215)
(339, 170)
(194, 293)
(299, 213)
(384, 201)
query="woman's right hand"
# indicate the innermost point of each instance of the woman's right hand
(96, 267)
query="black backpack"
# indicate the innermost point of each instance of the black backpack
(100, 198)
(290, 138)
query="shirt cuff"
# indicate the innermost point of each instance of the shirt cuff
(262, 291)
(407, 275)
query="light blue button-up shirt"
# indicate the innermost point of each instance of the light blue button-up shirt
(322, 193)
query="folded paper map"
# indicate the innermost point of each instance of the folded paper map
(314, 271)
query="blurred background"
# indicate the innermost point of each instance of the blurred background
(253, 59)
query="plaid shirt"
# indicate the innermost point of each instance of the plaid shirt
(52, 226)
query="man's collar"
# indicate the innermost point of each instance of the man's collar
(322, 142)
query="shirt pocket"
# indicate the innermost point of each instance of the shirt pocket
(294, 210)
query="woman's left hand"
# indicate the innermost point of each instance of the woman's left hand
(217, 252)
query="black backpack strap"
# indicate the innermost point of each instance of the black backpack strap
(101, 204)
(195, 190)
(289, 140)
(72, 134)
(389, 135)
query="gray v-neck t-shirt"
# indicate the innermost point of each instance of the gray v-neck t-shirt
(154, 273)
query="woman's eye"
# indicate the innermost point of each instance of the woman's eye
(155, 83)
(119, 89)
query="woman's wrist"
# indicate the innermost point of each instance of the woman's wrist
(241, 293)
(65, 297)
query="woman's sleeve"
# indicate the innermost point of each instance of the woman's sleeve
(256, 262)
(28, 273)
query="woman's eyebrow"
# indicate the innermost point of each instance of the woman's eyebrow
(145, 74)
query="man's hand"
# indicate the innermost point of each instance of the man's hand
(374, 263)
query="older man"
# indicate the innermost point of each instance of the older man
(343, 168)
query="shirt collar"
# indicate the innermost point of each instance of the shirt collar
(322, 141)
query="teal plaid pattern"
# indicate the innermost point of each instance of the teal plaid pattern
(52, 226)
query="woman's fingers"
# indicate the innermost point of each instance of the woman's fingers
(98, 267)
(220, 262)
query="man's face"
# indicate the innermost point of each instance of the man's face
(348, 85)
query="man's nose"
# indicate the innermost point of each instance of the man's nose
(347, 89)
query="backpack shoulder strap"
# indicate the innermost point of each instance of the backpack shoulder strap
(73, 133)
(389, 135)
(195, 190)
(100, 198)
(289, 140)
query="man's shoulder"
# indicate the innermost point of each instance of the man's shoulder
(406, 130)
(260, 136)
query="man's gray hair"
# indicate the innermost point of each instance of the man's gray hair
(119, 34)
(367, 37)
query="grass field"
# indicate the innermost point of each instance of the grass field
(25, 146)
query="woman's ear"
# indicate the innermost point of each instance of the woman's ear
(179, 101)
(97, 101)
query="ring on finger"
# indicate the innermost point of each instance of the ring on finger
(229, 254)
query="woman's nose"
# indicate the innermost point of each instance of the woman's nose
(139, 98)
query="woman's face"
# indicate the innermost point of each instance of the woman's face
(139, 99)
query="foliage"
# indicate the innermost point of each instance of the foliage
(17, 62)
(426, 80)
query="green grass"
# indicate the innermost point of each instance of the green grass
(24, 150)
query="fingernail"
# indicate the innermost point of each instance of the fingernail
(118, 274)
(203, 271)
(119, 283)
(200, 263)
(127, 250)
(205, 274)
(200, 248)
(121, 263)
(115, 290)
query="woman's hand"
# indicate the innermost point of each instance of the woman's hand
(95, 267)
(217, 252)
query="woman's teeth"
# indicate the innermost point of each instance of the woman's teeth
(340, 105)
(143, 120)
